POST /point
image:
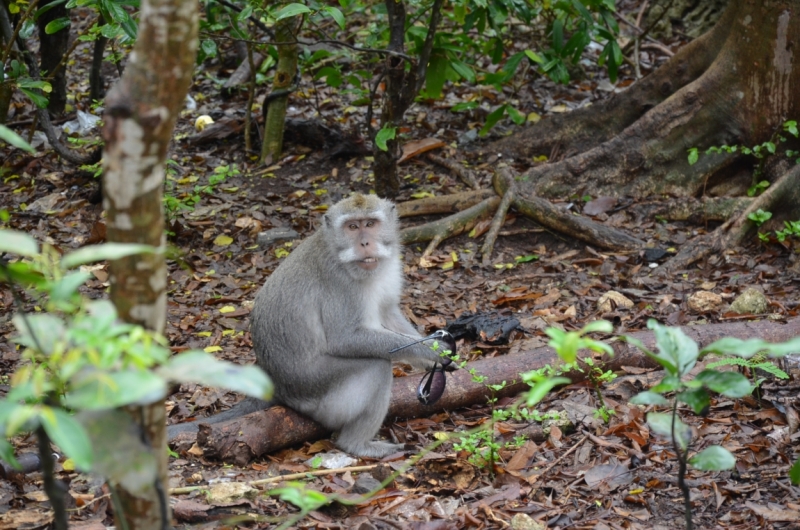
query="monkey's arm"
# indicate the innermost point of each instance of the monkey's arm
(395, 320)
(376, 344)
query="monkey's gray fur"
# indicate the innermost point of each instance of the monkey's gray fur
(325, 320)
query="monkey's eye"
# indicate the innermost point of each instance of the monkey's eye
(352, 226)
(370, 224)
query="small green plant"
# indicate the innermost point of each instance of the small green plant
(83, 364)
(761, 152)
(567, 345)
(175, 203)
(757, 362)
(792, 229)
(759, 217)
(678, 354)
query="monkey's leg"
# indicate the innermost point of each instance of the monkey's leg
(357, 406)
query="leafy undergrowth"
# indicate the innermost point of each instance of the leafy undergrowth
(583, 472)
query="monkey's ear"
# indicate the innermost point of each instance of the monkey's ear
(327, 220)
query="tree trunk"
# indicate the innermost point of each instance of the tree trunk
(285, 73)
(52, 48)
(140, 116)
(692, 17)
(742, 97)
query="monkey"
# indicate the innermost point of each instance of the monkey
(327, 325)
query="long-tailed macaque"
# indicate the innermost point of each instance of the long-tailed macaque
(325, 321)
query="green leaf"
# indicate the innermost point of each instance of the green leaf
(714, 458)
(794, 473)
(542, 387)
(332, 76)
(467, 105)
(694, 155)
(12, 138)
(670, 383)
(598, 326)
(98, 390)
(492, 119)
(18, 243)
(750, 347)
(208, 47)
(37, 99)
(515, 115)
(301, 496)
(582, 11)
(106, 251)
(436, 74)
(7, 454)
(464, 70)
(730, 384)
(534, 57)
(56, 25)
(69, 435)
(336, 14)
(383, 136)
(291, 10)
(114, 433)
(662, 425)
(649, 398)
(44, 86)
(675, 346)
(67, 287)
(200, 367)
(697, 398)
(39, 330)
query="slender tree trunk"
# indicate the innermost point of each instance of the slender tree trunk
(52, 49)
(285, 73)
(96, 87)
(140, 116)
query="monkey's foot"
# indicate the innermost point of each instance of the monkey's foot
(371, 449)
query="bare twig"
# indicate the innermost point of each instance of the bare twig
(281, 478)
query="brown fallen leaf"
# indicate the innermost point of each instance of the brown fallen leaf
(417, 147)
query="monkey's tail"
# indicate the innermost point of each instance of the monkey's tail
(245, 406)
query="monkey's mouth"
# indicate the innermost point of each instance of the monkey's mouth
(368, 264)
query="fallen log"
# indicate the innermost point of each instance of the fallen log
(251, 436)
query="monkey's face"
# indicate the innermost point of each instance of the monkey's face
(364, 245)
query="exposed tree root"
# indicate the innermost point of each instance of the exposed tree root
(693, 210)
(782, 196)
(438, 231)
(590, 126)
(737, 88)
(443, 203)
(461, 172)
(577, 227)
(497, 224)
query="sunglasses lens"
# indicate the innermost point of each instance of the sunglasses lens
(431, 388)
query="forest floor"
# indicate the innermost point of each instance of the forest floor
(593, 473)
